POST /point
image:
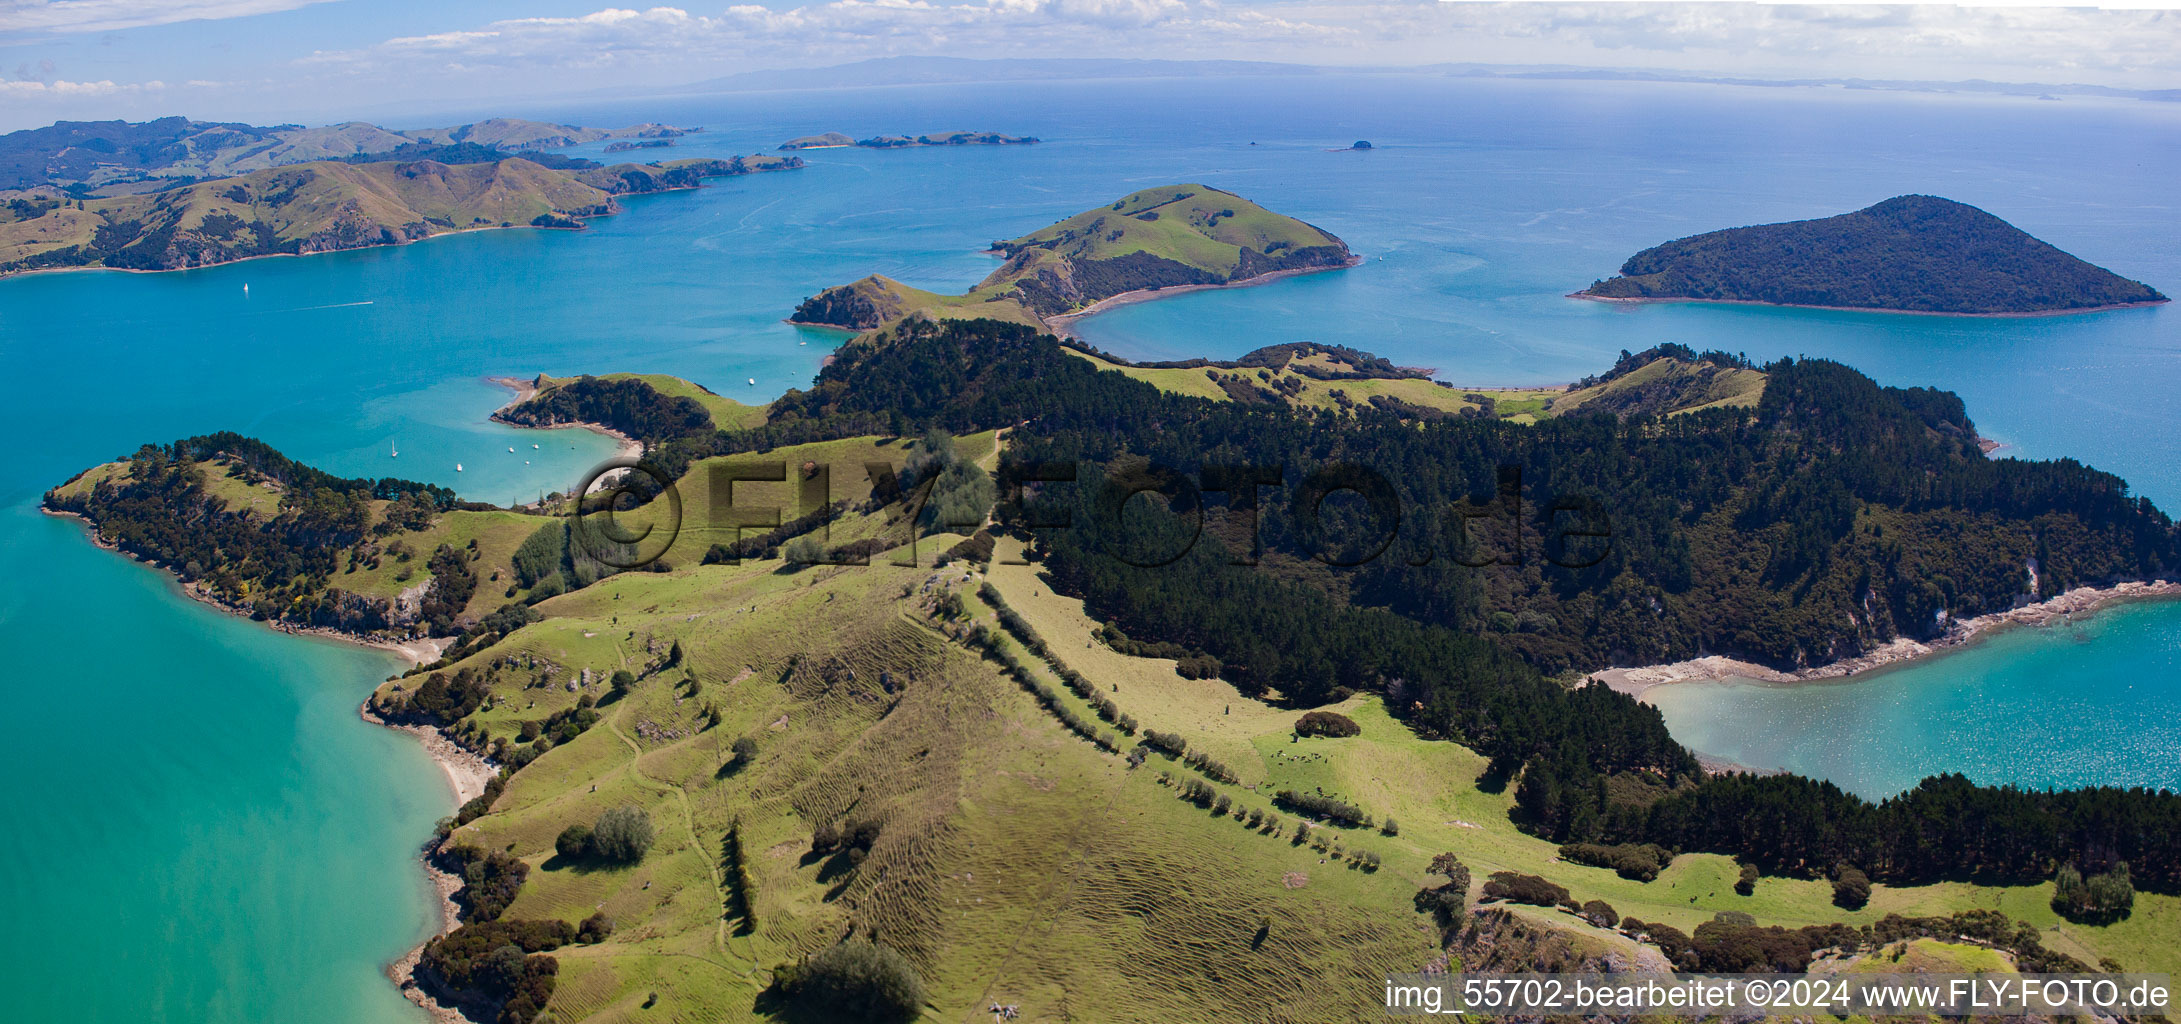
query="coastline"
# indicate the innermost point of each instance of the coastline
(611, 199)
(466, 772)
(1637, 300)
(1638, 681)
(628, 447)
(1062, 324)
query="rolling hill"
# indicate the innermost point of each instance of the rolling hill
(1173, 236)
(1915, 254)
(111, 153)
(326, 206)
(930, 741)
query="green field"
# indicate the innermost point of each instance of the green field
(1016, 862)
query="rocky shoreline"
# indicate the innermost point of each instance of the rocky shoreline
(1637, 681)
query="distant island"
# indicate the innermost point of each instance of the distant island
(1172, 236)
(836, 140)
(330, 205)
(97, 158)
(1911, 254)
(625, 146)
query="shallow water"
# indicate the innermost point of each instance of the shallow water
(204, 831)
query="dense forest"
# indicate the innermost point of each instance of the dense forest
(1914, 253)
(1835, 515)
(626, 404)
(278, 565)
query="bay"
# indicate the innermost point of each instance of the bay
(206, 832)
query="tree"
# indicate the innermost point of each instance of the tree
(623, 835)
(1326, 723)
(594, 929)
(574, 842)
(2097, 899)
(1746, 885)
(859, 980)
(1601, 914)
(804, 550)
(1851, 888)
(1446, 903)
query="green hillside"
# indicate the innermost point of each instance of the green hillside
(1029, 774)
(94, 154)
(1918, 254)
(1157, 238)
(327, 206)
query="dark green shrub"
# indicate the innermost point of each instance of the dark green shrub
(1326, 723)
(857, 980)
(622, 836)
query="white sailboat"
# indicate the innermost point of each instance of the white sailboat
(458, 467)
(753, 382)
(511, 451)
(393, 451)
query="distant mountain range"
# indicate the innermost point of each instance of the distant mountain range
(112, 155)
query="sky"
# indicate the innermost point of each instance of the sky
(323, 61)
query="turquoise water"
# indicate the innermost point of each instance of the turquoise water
(205, 832)
(2086, 703)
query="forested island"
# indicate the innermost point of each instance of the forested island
(1913, 254)
(323, 206)
(857, 717)
(1172, 236)
(837, 140)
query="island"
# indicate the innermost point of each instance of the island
(1150, 242)
(325, 206)
(1909, 254)
(836, 140)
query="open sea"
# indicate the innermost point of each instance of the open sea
(201, 829)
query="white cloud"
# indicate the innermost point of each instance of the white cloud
(1930, 41)
(55, 90)
(840, 30)
(109, 15)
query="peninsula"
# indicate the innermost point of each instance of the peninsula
(1147, 242)
(901, 709)
(325, 206)
(1909, 254)
(111, 157)
(836, 140)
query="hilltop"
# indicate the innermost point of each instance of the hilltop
(1173, 236)
(326, 206)
(1917, 254)
(1665, 381)
(102, 157)
(836, 140)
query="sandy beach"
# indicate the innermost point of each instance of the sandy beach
(1062, 324)
(525, 390)
(1637, 681)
